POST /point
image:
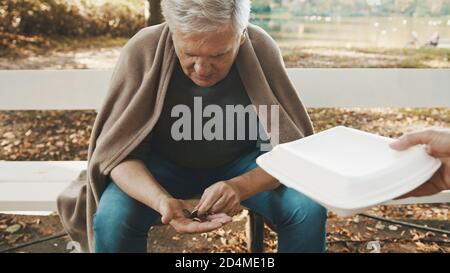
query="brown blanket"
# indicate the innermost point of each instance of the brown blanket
(134, 102)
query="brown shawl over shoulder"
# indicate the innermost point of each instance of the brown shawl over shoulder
(134, 102)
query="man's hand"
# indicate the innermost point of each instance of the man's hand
(171, 211)
(221, 197)
(226, 196)
(437, 145)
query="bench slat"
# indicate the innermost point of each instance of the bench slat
(76, 89)
(85, 89)
(19, 196)
(34, 185)
(40, 182)
(48, 171)
(323, 87)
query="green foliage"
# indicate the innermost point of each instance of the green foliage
(82, 18)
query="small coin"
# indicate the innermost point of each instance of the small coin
(194, 213)
(186, 213)
(202, 218)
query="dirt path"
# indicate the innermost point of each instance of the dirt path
(102, 57)
(99, 58)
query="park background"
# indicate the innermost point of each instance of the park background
(88, 34)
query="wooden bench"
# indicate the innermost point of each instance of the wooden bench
(34, 185)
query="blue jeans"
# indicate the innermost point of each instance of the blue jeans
(121, 223)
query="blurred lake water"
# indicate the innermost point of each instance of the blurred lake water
(390, 32)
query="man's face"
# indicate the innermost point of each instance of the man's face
(206, 58)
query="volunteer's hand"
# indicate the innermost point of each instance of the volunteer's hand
(171, 211)
(437, 143)
(221, 197)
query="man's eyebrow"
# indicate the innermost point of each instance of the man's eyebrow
(220, 53)
(214, 54)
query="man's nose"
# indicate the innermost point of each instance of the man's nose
(202, 68)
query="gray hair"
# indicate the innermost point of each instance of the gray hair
(206, 15)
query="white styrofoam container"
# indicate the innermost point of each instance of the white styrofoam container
(348, 170)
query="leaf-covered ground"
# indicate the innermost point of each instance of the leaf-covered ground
(64, 135)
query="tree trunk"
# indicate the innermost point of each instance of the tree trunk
(156, 16)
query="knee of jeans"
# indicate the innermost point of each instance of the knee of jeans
(103, 219)
(108, 223)
(307, 211)
(317, 214)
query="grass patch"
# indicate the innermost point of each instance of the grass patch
(342, 57)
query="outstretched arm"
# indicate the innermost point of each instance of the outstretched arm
(437, 143)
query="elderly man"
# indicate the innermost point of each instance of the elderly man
(142, 167)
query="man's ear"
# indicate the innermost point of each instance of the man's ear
(244, 33)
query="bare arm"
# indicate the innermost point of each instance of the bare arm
(144, 187)
(254, 182)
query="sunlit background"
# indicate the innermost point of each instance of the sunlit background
(360, 23)
(311, 33)
(89, 34)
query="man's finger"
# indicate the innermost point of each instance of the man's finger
(206, 194)
(167, 217)
(230, 208)
(197, 227)
(220, 217)
(219, 204)
(189, 226)
(202, 199)
(205, 206)
(411, 139)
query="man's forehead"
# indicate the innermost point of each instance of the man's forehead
(206, 45)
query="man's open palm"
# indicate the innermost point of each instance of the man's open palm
(172, 213)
